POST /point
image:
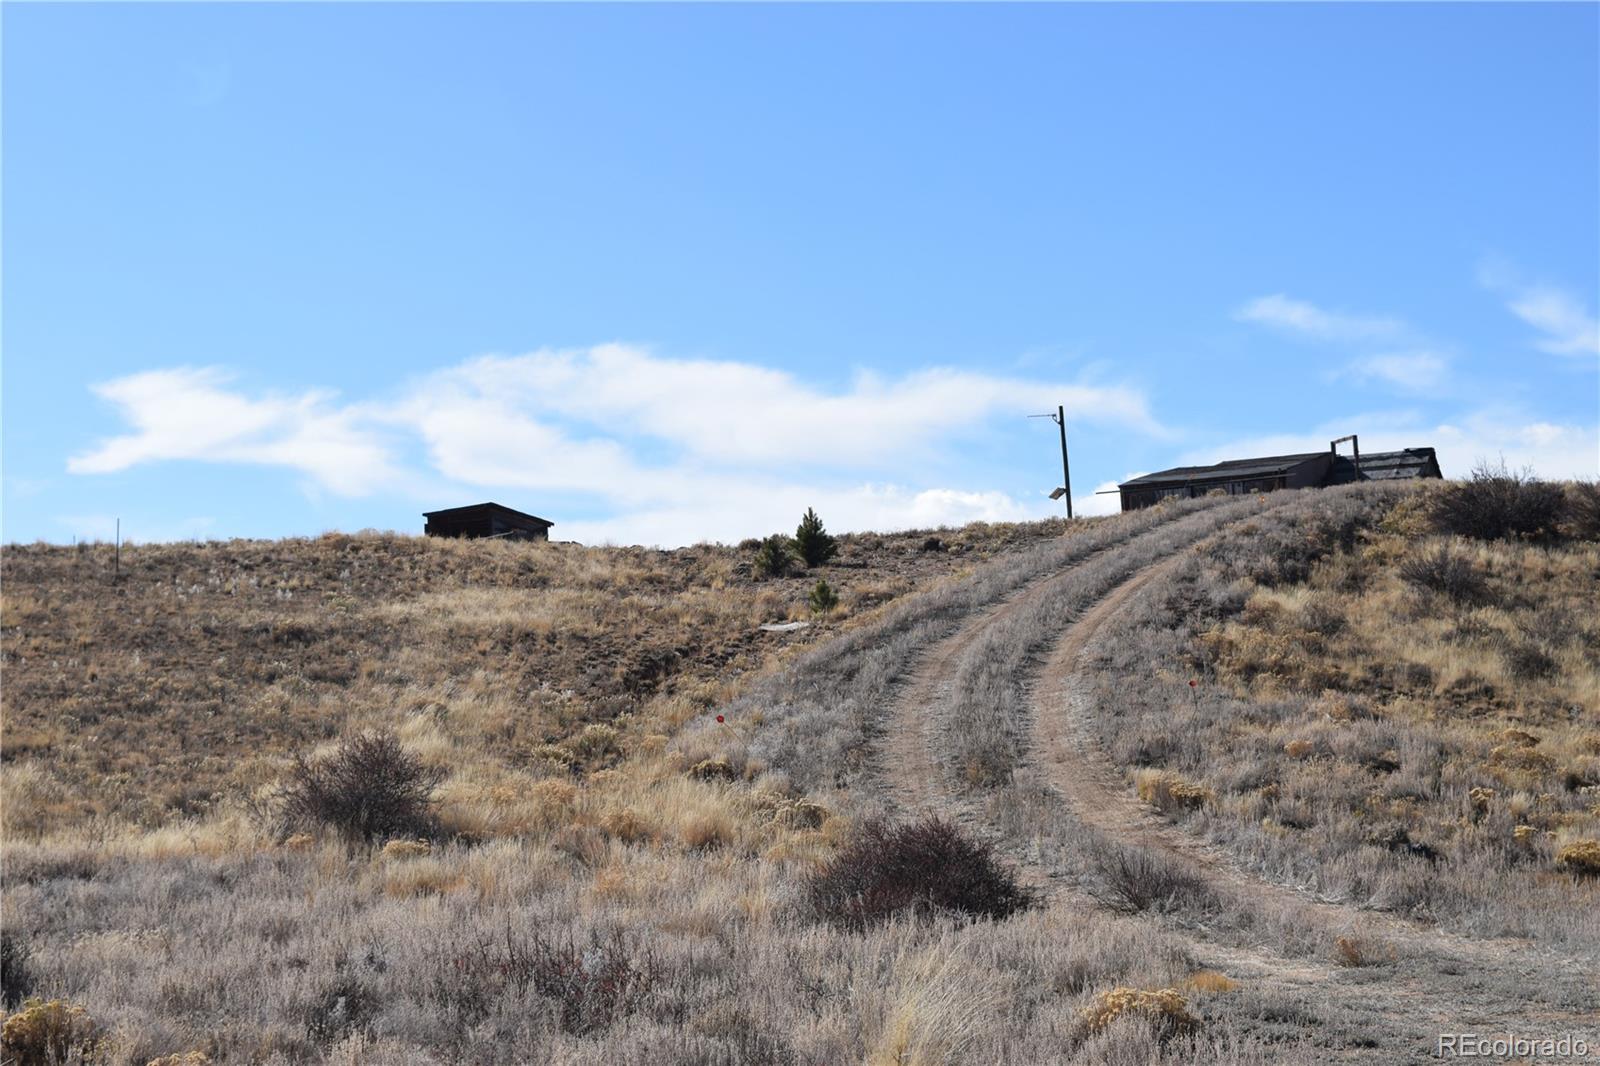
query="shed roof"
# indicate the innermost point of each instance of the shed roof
(1387, 466)
(477, 510)
(1233, 468)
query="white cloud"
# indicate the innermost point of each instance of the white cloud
(769, 508)
(743, 414)
(1567, 324)
(1308, 320)
(1413, 371)
(1103, 500)
(676, 450)
(1568, 327)
(187, 414)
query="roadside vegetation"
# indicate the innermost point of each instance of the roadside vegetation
(1397, 701)
(573, 861)
(383, 799)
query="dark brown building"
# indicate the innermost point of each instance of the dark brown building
(486, 520)
(1238, 477)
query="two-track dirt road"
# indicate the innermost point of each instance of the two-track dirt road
(1439, 982)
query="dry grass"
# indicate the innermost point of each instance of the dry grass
(616, 877)
(188, 684)
(586, 898)
(1363, 720)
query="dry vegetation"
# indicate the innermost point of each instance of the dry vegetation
(592, 889)
(207, 666)
(1386, 713)
(607, 873)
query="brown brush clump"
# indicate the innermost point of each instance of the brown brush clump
(1164, 1009)
(368, 788)
(1356, 951)
(919, 868)
(1210, 981)
(406, 849)
(1169, 792)
(1581, 857)
(44, 1033)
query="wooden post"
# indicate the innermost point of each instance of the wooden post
(1066, 474)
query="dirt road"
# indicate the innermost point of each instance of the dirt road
(1437, 982)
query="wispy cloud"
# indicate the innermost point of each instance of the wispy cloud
(1308, 320)
(1567, 325)
(673, 449)
(1413, 371)
(187, 413)
(1564, 321)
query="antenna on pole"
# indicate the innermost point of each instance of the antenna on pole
(1060, 419)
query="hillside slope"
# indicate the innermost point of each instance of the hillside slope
(637, 787)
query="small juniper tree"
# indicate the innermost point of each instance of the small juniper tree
(775, 557)
(815, 545)
(823, 598)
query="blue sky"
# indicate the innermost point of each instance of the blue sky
(665, 273)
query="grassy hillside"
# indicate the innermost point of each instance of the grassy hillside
(609, 873)
(187, 681)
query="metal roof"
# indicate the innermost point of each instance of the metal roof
(1233, 468)
(486, 508)
(1386, 466)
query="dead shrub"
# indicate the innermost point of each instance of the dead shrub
(1168, 792)
(1529, 662)
(590, 984)
(406, 849)
(368, 788)
(597, 742)
(1580, 858)
(800, 814)
(1583, 509)
(16, 969)
(1497, 503)
(1163, 1009)
(1210, 981)
(1133, 880)
(713, 770)
(919, 868)
(626, 825)
(46, 1033)
(1354, 951)
(1442, 570)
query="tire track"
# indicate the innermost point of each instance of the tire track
(1064, 756)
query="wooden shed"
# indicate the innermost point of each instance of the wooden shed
(1238, 477)
(486, 520)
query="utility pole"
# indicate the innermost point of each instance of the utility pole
(1066, 472)
(1060, 419)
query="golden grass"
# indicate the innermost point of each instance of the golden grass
(936, 1008)
(1164, 1009)
(1210, 982)
(1507, 684)
(505, 663)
